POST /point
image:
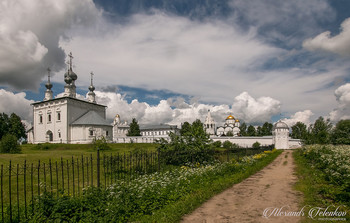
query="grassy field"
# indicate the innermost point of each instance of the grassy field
(318, 187)
(32, 153)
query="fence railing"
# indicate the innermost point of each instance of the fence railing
(21, 184)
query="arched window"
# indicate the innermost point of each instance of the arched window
(40, 119)
(49, 118)
(49, 136)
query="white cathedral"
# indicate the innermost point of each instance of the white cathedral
(230, 127)
(68, 119)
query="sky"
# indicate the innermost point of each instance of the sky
(170, 61)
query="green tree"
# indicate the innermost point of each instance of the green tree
(185, 128)
(16, 127)
(320, 132)
(251, 131)
(243, 129)
(12, 125)
(341, 132)
(134, 129)
(259, 131)
(9, 144)
(194, 145)
(266, 129)
(299, 131)
(4, 124)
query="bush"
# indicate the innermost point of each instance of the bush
(101, 144)
(217, 144)
(256, 145)
(227, 144)
(9, 144)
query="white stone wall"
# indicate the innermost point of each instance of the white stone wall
(81, 133)
(264, 141)
(139, 139)
(246, 141)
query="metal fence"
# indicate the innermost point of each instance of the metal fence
(22, 184)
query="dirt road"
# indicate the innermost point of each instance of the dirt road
(268, 192)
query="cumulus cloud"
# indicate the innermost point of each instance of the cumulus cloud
(16, 103)
(342, 111)
(253, 110)
(300, 116)
(167, 112)
(339, 44)
(29, 37)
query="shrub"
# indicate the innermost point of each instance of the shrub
(217, 144)
(9, 144)
(256, 145)
(227, 144)
(101, 144)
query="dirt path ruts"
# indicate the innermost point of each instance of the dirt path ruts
(246, 201)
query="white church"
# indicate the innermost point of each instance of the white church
(68, 119)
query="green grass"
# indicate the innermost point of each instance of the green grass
(174, 212)
(317, 191)
(31, 154)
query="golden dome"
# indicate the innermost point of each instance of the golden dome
(117, 116)
(237, 120)
(230, 117)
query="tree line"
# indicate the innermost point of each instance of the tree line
(264, 130)
(322, 131)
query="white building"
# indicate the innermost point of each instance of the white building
(280, 132)
(149, 133)
(67, 119)
(230, 127)
(209, 124)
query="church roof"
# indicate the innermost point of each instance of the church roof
(91, 118)
(280, 125)
(158, 127)
(68, 98)
(230, 117)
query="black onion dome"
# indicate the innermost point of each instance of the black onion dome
(48, 85)
(91, 88)
(73, 75)
(67, 79)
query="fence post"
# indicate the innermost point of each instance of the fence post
(98, 167)
(2, 195)
(25, 188)
(17, 174)
(10, 191)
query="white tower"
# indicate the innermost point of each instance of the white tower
(70, 77)
(48, 85)
(91, 94)
(209, 124)
(280, 133)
